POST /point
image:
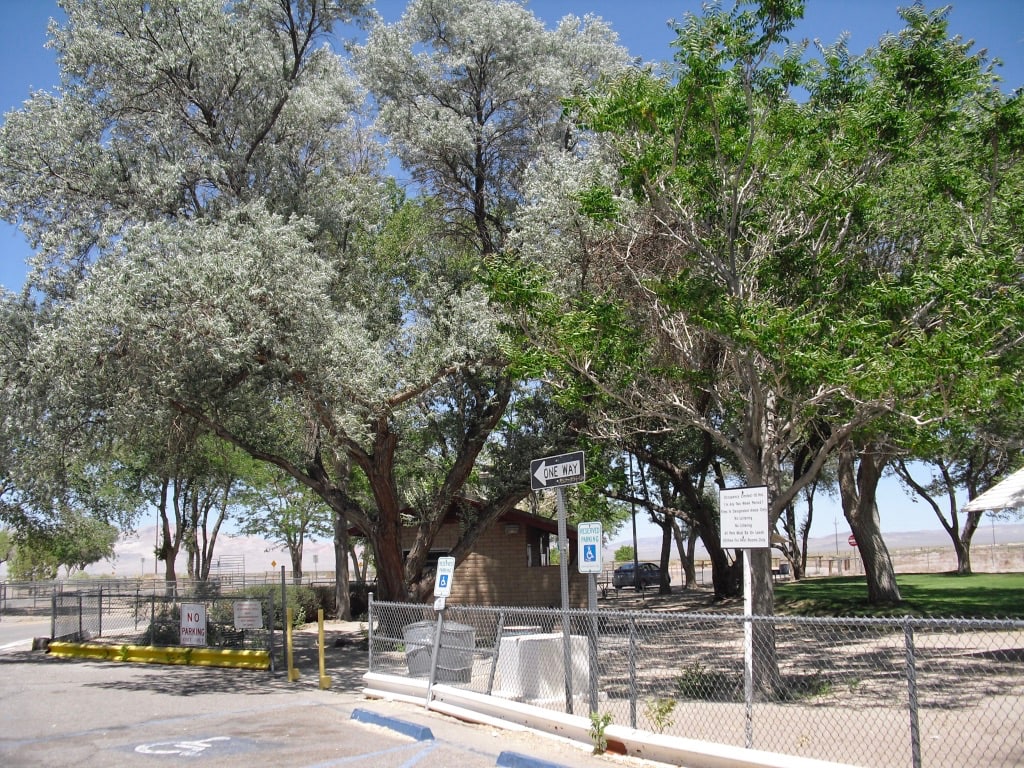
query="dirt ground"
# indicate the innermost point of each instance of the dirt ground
(969, 683)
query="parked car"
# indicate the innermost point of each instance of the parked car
(649, 576)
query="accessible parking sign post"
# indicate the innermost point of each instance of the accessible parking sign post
(590, 560)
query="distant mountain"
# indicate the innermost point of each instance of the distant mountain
(649, 548)
(134, 554)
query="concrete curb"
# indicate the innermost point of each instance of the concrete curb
(148, 654)
(418, 732)
(673, 750)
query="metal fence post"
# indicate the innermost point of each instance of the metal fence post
(369, 632)
(915, 726)
(499, 631)
(592, 636)
(99, 615)
(284, 619)
(270, 621)
(632, 671)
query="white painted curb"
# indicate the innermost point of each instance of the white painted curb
(490, 710)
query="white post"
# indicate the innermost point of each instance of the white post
(748, 647)
(563, 567)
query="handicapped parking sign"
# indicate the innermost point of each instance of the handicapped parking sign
(591, 545)
(443, 579)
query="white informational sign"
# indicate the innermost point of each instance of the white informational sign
(744, 516)
(443, 578)
(591, 546)
(248, 614)
(193, 624)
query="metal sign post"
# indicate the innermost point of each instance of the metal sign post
(558, 472)
(442, 590)
(590, 561)
(744, 524)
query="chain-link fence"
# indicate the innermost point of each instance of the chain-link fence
(872, 692)
(136, 618)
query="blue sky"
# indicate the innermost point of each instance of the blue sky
(642, 25)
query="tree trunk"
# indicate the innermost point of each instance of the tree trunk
(169, 545)
(767, 681)
(295, 551)
(665, 586)
(726, 577)
(963, 551)
(387, 551)
(686, 547)
(858, 491)
(342, 598)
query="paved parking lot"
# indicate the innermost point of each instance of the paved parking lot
(60, 712)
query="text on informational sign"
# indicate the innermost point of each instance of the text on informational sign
(744, 517)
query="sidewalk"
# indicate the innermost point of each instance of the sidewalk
(346, 655)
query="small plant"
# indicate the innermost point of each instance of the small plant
(697, 682)
(809, 687)
(659, 712)
(598, 724)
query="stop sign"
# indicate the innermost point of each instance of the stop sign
(852, 541)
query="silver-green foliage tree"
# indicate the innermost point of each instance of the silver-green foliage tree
(216, 243)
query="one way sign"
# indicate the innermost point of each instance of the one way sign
(553, 471)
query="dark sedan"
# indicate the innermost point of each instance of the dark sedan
(648, 576)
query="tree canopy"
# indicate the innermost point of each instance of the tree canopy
(761, 259)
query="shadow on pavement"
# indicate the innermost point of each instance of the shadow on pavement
(345, 661)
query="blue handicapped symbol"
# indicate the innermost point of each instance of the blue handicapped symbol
(590, 553)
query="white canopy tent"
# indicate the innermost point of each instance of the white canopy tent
(1008, 494)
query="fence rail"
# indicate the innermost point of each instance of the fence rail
(873, 692)
(137, 618)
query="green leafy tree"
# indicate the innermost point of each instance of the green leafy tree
(279, 509)
(773, 256)
(77, 542)
(783, 272)
(624, 554)
(6, 546)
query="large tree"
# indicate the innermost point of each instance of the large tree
(217, 244)
(780, 253)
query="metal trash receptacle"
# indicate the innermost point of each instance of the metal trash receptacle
(455, 659)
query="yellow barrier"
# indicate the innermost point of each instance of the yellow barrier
(325, 680)
(150, 654)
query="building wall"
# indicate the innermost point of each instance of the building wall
(497, 572)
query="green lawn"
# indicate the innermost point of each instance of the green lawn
(984, 595)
